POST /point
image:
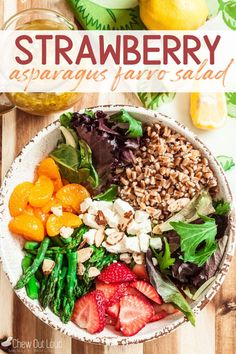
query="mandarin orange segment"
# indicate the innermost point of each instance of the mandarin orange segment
(19, 198)
(55, 223)
(49, 168)
(42, 192)
(28, 226)
(53, 202)
(41, 215)
(57, 184)
(72, 195)
(28, 210)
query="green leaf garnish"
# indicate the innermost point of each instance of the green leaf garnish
(154, 100)
(109, 195)
(135, 126)
(229, 14)
(195, 236)
(164, 258)
(231, 103)
(222, 207)
(226, 162)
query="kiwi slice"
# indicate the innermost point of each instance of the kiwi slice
(95, 17)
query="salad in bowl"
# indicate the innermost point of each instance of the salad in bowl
(121, 223)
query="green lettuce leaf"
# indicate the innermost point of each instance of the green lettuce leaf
(195, 236)
(135, 126)
(164, 258)
(109, 195)
(222, 207)
(167, 289)
(65, 119)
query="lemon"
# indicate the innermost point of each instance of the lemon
(173, 14)
(208, 110)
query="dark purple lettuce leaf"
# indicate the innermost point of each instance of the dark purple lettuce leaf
(184, 272)
(222, 224)
(110, 147)
(173, 240)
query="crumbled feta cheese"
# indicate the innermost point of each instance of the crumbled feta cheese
(66, 232)
(85, 205)
(89, 220)
(120, 247)
(122, 207)
(145, 226)
(133, 228)
(102, 204)
(141, 216)
(155, 242)
(144, 242)
(57, 210)
(132, 244)
(111, 217)
(90, 236)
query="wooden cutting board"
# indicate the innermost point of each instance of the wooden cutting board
(216, 325)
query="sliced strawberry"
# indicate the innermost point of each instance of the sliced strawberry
(159, 316)
(110, 321)
(112, 292)
(135, 313)
(140, 271)
(117, 326)
(117, 273)
(114, 310)
(133, 291)
(147, 289)
(89, 312)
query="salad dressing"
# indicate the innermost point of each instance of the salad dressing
(41, 103)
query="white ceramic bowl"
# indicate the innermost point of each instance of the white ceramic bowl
(23, 169)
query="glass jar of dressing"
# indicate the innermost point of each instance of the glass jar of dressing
(41, 103)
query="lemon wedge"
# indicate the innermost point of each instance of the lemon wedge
(208, 110)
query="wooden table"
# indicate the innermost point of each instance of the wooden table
(215, 329)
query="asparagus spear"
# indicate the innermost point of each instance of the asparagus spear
(24, 279)
(52, 281)
(32, 288)
(69, 298)
(31, 245)
(56, 303)
(43, 285)
(77, 237)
